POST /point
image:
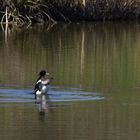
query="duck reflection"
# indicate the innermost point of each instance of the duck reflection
(42, 102)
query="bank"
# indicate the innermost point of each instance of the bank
(23, 12)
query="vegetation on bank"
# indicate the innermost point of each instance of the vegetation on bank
(21, 12)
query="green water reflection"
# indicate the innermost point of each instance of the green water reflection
(87, 55)
(96, 57)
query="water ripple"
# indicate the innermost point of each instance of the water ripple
(54, 95)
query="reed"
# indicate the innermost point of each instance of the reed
(23, 12)
(99, 9)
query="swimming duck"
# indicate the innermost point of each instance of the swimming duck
(42, 83)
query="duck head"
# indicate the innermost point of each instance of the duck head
(42, 73)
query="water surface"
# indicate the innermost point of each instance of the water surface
(95, 93)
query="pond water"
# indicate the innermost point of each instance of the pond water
(95, 93)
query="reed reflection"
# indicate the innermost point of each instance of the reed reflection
(78, 55)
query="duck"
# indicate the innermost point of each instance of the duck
(42, 83)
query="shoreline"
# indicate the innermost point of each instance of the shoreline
(50, 12)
